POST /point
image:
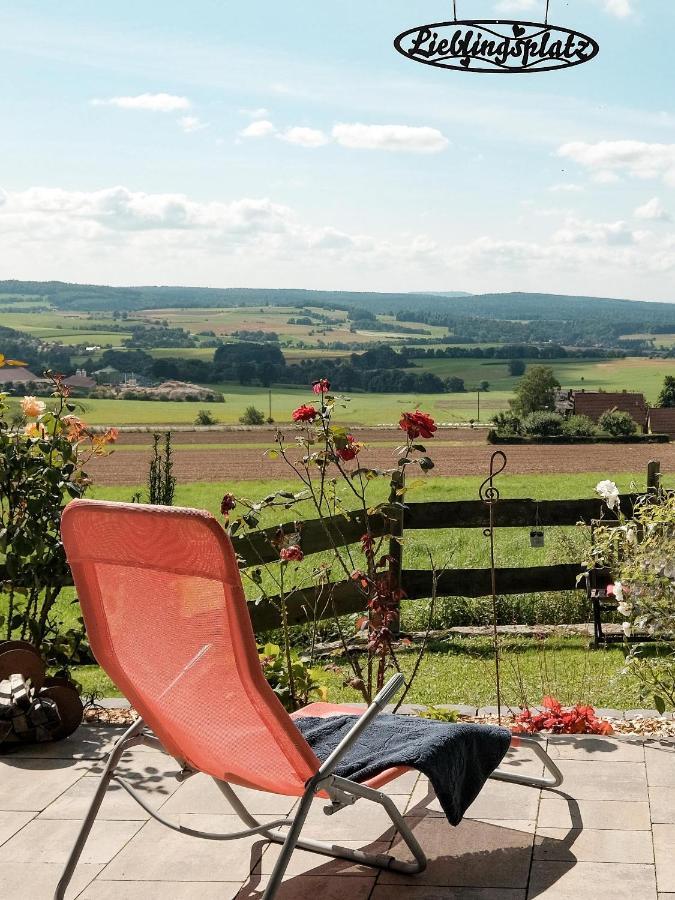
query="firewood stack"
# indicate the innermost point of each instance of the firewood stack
(33, 707)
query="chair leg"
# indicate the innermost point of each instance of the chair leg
(553, 780)
(129, 739)
(288, 846)
(323, 848)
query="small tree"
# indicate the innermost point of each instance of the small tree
(667, 395)
(161, 481)
(484, 386)
(205, 417)
(516, 367)
(252, 416)
(618, 424)
(536, 391)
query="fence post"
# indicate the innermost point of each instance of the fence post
(653, 476)
(395, 548)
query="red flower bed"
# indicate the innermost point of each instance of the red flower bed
(578, 720)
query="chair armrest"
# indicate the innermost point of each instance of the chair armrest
(391, 688)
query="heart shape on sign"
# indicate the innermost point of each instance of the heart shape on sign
(519, 31)
(466, 62)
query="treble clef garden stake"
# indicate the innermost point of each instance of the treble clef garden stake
(489, 494)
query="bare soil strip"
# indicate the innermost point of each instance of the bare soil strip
(456, 452)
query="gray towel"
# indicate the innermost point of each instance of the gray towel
(457, 759)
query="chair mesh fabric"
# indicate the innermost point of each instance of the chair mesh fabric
(167, 619)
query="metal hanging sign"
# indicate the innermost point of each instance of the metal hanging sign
(499, 46)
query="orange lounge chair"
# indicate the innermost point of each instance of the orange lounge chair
(167, 619)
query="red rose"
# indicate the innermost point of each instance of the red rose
(291, 554)
(417, 424)
(227, 504)
(322, 386)
(350, 451)
(304, 413)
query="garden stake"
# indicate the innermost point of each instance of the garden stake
(489, 494)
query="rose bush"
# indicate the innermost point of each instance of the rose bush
(41, 468)
(639, 552)
(326, 459)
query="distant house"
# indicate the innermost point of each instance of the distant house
(19, 375)
(80, 380)
(662, 421)
(595, 403)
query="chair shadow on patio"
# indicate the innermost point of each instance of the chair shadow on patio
(493, 855)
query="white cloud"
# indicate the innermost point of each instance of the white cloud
(577, 231)
(357, 136)
(191, 123)
(619, 8)
(259, 129)
(635, 158)
(149, 102)
(653, 210)
(305, 137)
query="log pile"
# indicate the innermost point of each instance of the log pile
(33, 707)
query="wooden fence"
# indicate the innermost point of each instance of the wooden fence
(344, 598)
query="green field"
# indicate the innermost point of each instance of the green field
(633, 374)
(363, 409)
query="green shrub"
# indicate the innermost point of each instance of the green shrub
(507, 423)
(252, 416)
(204, 417)
(543, 424)
(618, 424)
(579, 426)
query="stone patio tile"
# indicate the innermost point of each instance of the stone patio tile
(311, 887)
(161, 890)
(369, 821)
(664, 842)
(599, 881)
(472, 855)
(305, 863)
(617, 815)
(200, 795)
(556, 844)
(32, 784)
(88, 742)
(158, 854)
(74, 803)
(594, 748)
(497, 800)
(11, 822)
(662, 805)
(44, 841)
(592, 780)
(38, 880)
(528, 826)
(660, 765)
(429, 892)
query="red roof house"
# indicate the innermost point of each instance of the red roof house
(594, 403)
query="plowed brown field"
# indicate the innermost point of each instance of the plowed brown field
(239, 456)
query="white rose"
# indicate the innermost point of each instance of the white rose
(609, 493)
(625, 609)
(627, 629)
(618, 591)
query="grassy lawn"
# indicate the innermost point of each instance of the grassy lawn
(460, 670)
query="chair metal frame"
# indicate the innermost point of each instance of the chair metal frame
(342, 792)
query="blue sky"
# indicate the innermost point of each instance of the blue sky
(288, 145)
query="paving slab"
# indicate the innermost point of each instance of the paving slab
(38, 880)
(161, 890)
(42, 840)
(11, 822)
(32, 784)
(310, 887)
(660, 762)
(590, 845)
(606, 780)
(594, 748)
(474, 854)
(616, 815)
(664, 847)
(599, 881)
